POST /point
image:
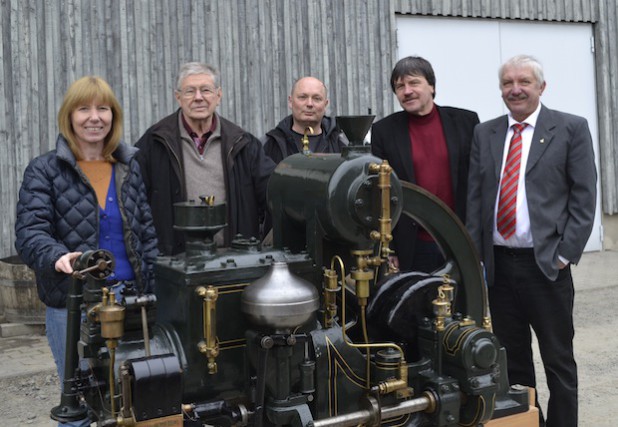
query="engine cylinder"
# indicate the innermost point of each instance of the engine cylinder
(338, 192)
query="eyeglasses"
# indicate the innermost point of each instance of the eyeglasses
(190, 92)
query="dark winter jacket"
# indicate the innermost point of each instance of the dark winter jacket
(246, 170)
(58, 212)
(280, 142)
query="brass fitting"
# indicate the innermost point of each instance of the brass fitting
(331, 288)
(389, 386)
(305, 140)
(361, 280)
(211, 353)
(442, 306)
(364, 260)
(433, 402)
(126, 418)
(384, 171)
(208, 200)
(126, 422)
(111, 315)
(362, 275)
(399, 385)
(467, 321)
(210, 346)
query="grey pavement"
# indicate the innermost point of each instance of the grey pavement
(596, 342)
(25, 355)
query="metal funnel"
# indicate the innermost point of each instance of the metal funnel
(355, 128)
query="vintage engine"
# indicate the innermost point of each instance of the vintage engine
(315, 330)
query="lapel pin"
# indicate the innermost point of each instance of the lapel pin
(542, 141)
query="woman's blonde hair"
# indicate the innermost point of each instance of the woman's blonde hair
(84, 91)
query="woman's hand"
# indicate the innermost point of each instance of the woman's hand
(65, 262)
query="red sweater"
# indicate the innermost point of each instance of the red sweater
(430, 158)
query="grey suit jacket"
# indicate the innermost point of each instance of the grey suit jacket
(560, 188)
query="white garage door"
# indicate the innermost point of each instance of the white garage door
(466, 54)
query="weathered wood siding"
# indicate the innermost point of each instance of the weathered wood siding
(260, 46)
(545, 10)
(606, 48)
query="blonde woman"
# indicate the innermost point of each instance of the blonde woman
(86, 194)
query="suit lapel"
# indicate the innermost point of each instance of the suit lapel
(402, 143)
(543, 134)
(497, 137)
(452, 146)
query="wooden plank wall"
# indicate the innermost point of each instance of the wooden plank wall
(606, 48)
(260, 46)
(546, 10)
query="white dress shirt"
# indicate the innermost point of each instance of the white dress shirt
(523, 236)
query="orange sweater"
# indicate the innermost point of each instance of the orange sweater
(99, 173)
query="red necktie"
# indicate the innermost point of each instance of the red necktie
(507, 206)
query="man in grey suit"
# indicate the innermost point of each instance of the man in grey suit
(531, 203)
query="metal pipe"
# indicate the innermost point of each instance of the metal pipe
(363, 416)
(145, 331)
(125, 381)
(406, 407)
(111, 344)
(70, 408)
(352, 419)
(346, 339)
(266, 344)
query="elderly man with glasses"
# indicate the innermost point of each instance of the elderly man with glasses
(195, 152)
